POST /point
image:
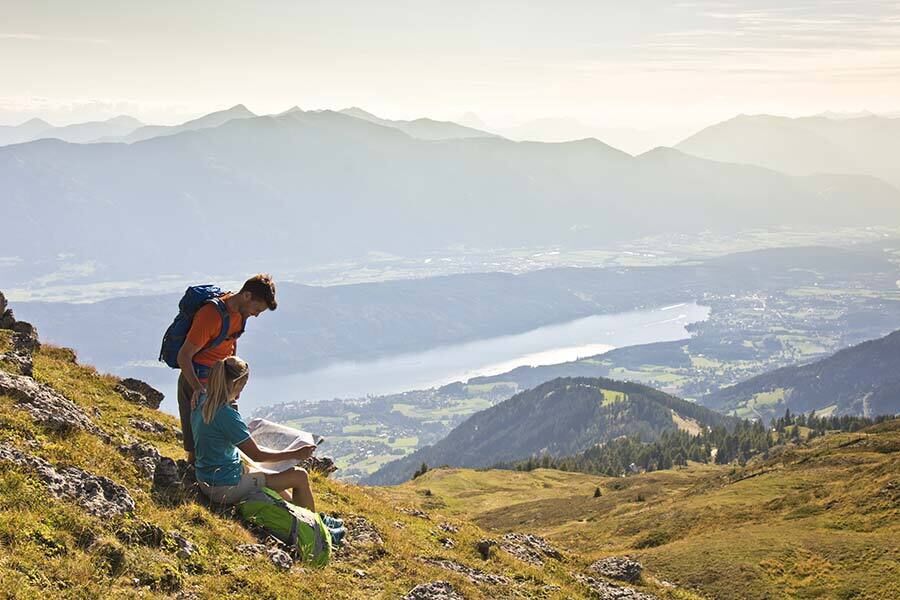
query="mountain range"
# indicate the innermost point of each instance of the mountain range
(78, 133)
(867, 145)
(311, 187)
(560, 417)
(862, 380)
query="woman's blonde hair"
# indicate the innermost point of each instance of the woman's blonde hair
(223, 377)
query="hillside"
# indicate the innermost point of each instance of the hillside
(816, 520)
(561, 417)
(805, 146)
(78, 133)
(862, 380)
(340, 187)
(90, 507)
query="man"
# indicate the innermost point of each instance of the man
(256, 296)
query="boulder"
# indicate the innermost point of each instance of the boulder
(474, 575)
(484, 547)
(98, 495)
(148, 426)
(529, 548)
(145, 456)
(26, 337)
(436, 590)
(46, 406)
(610, 591)
(621, 568)
(184, 548)
(139, 392)
(174, 482)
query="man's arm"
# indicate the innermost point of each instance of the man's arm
(185, 361)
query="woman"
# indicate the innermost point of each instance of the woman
(219, 431)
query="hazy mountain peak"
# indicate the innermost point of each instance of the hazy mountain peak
(355, 111)
(35, 123)
(292, 109)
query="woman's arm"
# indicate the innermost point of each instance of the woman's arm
(254, 453)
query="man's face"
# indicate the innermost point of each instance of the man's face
(253, 307)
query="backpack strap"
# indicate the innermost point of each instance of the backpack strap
(202, 371)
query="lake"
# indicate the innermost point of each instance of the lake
(459, 362)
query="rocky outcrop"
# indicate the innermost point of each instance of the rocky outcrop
(139, 392)
(99, 496)
(145, 456)
(616, 567)
(148, 426)
(276, 555)
(174, 482)
(46, 406)
(24, 340)
(610, 591)
(529, 548)
(320, 464)
(436, 590)
(472, 574)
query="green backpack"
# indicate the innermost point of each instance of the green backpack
(301, 529)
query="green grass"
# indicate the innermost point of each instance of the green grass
(51, 548)
(817, 521)
(611, 397)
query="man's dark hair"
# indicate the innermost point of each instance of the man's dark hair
(261, 287)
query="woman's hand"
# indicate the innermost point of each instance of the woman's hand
(304, 452)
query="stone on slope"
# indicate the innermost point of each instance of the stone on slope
(138, 392)
(610, 591)
(46, 406)
(98, 495)
(529, 548)
(616, 567)
(436, 590)
(145, 456)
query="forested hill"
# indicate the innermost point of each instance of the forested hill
(561, 417)
(861, 380)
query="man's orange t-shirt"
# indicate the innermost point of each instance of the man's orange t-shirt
(205, 328)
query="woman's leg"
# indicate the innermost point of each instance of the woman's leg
(296, 479)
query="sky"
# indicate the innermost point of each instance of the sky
(648, 65)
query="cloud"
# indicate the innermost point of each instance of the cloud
(34, 37)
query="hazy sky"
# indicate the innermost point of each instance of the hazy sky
(640, 63)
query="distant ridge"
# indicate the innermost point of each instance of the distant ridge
(561, 417)
(860, 380)
(78, 133)
(423, 129)
(238, 111)
(862, 144)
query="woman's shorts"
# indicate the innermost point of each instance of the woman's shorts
(232, 494)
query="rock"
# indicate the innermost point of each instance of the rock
(611, 591)
(26, 338)
(185, 549)
(3, 303)
(449, 528)
(145, 456)
(47, 406)
(415, 512)
(174, 482)
(138, 392)
(484, 547)
(472, 574)
(359, 573)
(148, 426)
(22, 362)
(280, 558)
(320, 464)
(250, 549)
(621, 568)
(98, 495)
(446, 542)
(529, 548)
(436, 590)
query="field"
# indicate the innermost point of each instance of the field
(816, 521)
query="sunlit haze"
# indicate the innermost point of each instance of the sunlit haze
(671, 68)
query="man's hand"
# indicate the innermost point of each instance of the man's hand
(304, 452)
(196, 396)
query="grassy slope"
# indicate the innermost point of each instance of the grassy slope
(52, 547)
(821, 521)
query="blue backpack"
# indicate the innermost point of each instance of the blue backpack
(194, 298)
